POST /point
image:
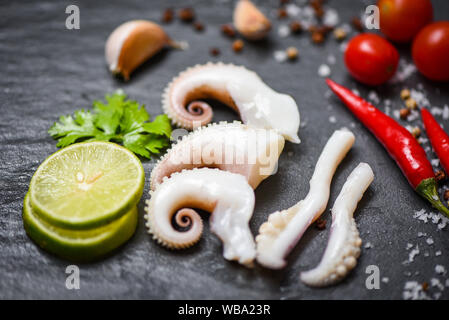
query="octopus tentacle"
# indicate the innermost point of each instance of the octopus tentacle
(237, 87)
(282, 231)
(233, 147)
(344, 243)
(227, 195)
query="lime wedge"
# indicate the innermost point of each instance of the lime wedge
(78, 245)
(86, 185)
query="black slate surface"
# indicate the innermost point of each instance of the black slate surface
(49, 71)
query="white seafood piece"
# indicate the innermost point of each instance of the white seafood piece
(239, 88)
(229, 198)
(344, 243)
(233, 147)
(278, 236)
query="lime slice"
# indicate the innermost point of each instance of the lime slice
(78, 245)
(87, 185)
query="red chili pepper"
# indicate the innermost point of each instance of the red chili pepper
(399, 142)
(438, 138)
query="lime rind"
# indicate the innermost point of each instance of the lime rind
(118, 180)
(79, 245)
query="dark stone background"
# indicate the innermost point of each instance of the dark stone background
(48, 71)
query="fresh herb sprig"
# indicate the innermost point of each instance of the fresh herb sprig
(118, 120)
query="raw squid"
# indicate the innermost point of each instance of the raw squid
(282, 231)
(344, 243)
(239, 88)
(233, 147)
(227, 195)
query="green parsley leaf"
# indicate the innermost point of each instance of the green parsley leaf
(118, 120)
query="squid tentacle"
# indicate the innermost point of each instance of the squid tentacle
(237, 87)
(233, 147)
(343, 247)
(227, 195)
(282, 231)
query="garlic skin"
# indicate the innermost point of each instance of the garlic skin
(250, 21)
(131, 43)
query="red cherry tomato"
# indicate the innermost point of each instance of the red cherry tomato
(401, 20)
(431, 51)
(371, 59)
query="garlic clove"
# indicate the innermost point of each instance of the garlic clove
(250, 21)
(133, 42)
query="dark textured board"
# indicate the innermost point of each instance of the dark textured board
(50, 71)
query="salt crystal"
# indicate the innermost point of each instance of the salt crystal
(426, 254)
(331, 18)
(413, 291)
(421, 234)
(435, 162)
(435, 217)
(343, 46)
(356, 92)
(283, 31)
(292, 10)
(437, 295)
(438, 253)
(429, 241)
(368, 245)
(332, 119)
(324, 70)
(372, 95)
(413, 253)
(436, 111)
(331, 59)
(413, 115)
(280, 55)
(385, 279)
(434, 282)
(420, 98)
(440, 269)
(446, 112)
(409, 246)
(396, 114)
(423, 140)
(404, 71)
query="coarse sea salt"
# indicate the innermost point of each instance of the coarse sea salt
(331, 59)
(412, 254)
(435, 162)
(429, 241)
(440, 269)
(438, 253)
(292, 10)
(404, 71)
(434, 282)
(413, 291)
(420, 97)
(368, 245)
(324, 71)
(280, 55)
(373, 96)
(283, 31)
(332, 119)
(409, 246)
(331, 18)
(385, 279)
